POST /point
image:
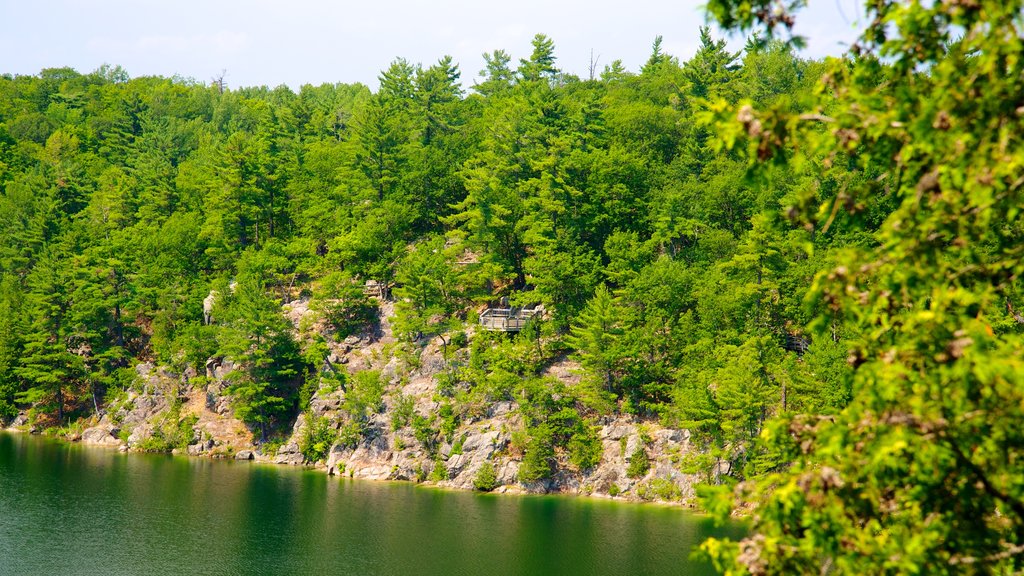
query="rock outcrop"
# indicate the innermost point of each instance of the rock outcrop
(386, 445)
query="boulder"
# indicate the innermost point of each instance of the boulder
(200, 448)
(289, 454)
(326, 403)
(499, 409)
(616, 430)
(100, 435)
(245, 455)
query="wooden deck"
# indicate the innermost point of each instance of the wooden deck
(506, 319)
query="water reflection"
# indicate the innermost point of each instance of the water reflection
(69, 509)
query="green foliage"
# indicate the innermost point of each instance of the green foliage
(170, 432)
(639, 463)
(365, 395)
(918, 135)
(596, 336)
(402, 411)
(439, 473)
(350, 433)
(425, 434)
(449, 420)
(428, 290)
(539, 457)
(666, 270)
(344, 306)
(486, 478)
(585, 448)
(317, 438)
(659, 489)
(457, 446)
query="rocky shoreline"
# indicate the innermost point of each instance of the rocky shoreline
(161, 400)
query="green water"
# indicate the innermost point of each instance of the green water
(71, 509)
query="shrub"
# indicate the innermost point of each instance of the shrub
(343, 305)
(538, 461)
(644, 431)
(365, 394)
(170, 432)
(350, 434)
(659, 489)
(317, 438)
(426, 435)
(449, 420)
(614, 490)
(459, 340)
(457, 446)
(518, 443)
(585, 448)
(403, 411)
(486, 478)
(639, 463)
(439, 473)
(446, 382)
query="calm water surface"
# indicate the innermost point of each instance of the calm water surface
(72, 509)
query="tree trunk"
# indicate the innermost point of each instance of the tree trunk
(60, 404)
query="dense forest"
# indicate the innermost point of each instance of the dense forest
(811, 265)
(669, 274)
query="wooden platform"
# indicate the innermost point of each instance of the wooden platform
(506, 319)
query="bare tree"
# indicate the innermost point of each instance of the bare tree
(593, 63)
(219, 82)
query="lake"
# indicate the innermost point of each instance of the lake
(73, 509)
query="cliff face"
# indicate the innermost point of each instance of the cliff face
(192, 415)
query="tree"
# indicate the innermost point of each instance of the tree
(541, 65)
(12, 330)
(427, 290)
(922, 470)
(595, 336)
(47, 367)
(259, 339)
(498, 76)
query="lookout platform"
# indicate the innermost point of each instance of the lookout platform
(507, 319)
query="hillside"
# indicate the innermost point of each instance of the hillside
(301, 258)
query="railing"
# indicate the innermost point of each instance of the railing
(374, 289)
(798, 344)
(506, 319)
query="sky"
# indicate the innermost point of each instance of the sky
(296, 42)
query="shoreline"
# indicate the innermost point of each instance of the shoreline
(503, 490)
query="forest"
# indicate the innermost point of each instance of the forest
(811, 265)
(604, 200)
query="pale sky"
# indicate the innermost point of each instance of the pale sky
(296, 42)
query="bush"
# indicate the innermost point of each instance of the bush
(449, 420)
(639, 463)
(350, 434)
(486, 478)
(538, 462)
(317, 438)
(403, 411)
(614, 490)
(426, 435)
(343, 305)
(446, 382)
(459, 340)
(659, 489)
(365, 394)
(439, 472)
(170, 432)
(585, 448)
